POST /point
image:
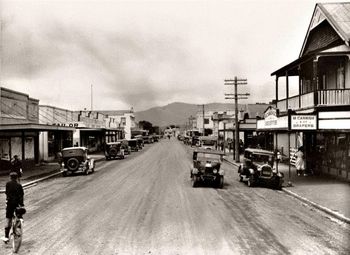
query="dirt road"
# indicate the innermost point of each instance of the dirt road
(146, 205)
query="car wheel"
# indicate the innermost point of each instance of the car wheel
(113, 152)
(251, 181)
(72, 164)
(64, 173)
(220, 183)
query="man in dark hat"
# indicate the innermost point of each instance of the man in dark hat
(14, 198)
(17, 166)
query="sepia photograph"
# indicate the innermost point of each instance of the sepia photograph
(174, 127)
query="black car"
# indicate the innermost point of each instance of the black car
(206, 167)
(114, 150)
(257, 168)
(76, 159)
(133, 144)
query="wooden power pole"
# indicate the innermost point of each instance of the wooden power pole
(236, 96)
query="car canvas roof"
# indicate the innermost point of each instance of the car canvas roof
(210, 151)
(74, 148)
(260, 151)
(111, 143)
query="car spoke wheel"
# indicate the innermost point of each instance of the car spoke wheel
(73, 164)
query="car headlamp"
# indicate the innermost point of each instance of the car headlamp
(215, 171)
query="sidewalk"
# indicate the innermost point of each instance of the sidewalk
(323, 192)
(41, 172)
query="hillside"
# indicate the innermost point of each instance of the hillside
(177, 113)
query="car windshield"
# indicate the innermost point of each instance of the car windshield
(261, 158)
(208, 142)
(208, 157)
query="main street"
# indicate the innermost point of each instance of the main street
(145, 205)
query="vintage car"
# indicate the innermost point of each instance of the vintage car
(155, 138)
(206, 167)
(140, 142)
(257, 168)
(133, 144)
(76, 159)
(208, 142)
(195, 141)
(125, 146)
(114, 150)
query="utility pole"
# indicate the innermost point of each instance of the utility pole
(203, 120)
(235, 82)
(91, 98)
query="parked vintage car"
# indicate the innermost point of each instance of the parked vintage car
(208, 142)
(257, 168)
(114, 150)
(76, 159)
(133, 144)
(125, 146)
(155, 138)
(206, 167)
(140, 142)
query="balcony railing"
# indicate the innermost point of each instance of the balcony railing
(324, 98)
(334, 97)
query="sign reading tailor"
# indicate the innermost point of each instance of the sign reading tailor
(303, 122)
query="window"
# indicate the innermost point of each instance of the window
(206, 121)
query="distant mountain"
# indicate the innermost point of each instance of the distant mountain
(178, 113)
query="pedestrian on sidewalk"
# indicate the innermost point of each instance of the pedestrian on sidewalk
(16, 166)
(300, 161)
(14, 198)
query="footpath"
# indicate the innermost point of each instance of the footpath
(322, 192)
(40, 173)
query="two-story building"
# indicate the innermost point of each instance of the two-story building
(125, 118)
(318, 117)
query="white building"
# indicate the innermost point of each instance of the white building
(125, 118)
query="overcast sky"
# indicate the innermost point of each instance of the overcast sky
(143, 54)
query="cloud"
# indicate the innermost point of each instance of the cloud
(142, 55)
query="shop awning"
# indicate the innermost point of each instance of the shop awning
(33, 127)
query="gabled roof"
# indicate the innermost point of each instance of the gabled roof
(336, 14)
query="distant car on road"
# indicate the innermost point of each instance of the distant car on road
(114, 150)
(206, 167)
(76, 159)
(125, 146)
(208, 142)
(133, 144)
(257, 168)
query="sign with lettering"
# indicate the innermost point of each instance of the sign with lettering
(270, 117)
(303, 122)
(73, 124)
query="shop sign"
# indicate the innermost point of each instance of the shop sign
(270, 117)
(73, 124)
(303, 122)
(281, 123)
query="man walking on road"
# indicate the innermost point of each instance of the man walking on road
(14, 198)
(17, 166)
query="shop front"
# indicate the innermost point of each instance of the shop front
(22, 140)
